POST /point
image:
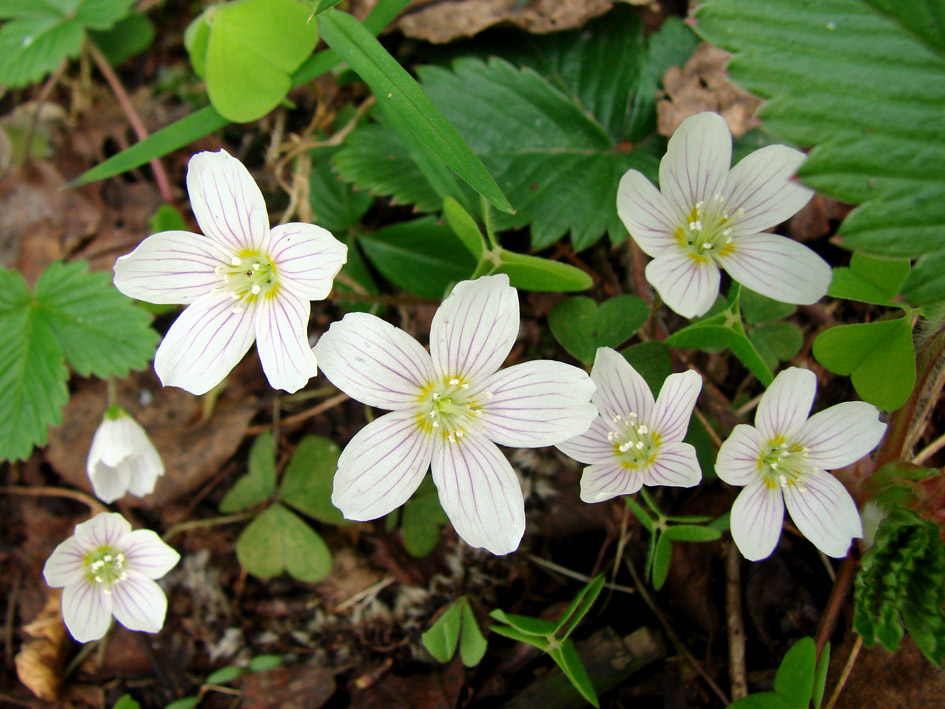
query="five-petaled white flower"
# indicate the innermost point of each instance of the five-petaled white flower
(784, 459)
(707, 216)
(122, 458)
(634, 441)
(450, 407)
(243, 281)
(107, 570)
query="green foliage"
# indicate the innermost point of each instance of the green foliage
(581, 325)
(872, 112)
(456, 625)
(553, 637)
(799, 679)
(898, 483)
(278, 540)
(774, 341)
(878, 357)
(37, 36)
(336, 206)
(307, 482)
(535, 273)
(263, 663)
(126, 702)
(869, 279)
(652, 360)
(130, 36)
(72, 316)
(259, 483)
(901, 586)
(423, 520)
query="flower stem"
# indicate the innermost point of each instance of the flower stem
(45, 491)
(209, 522)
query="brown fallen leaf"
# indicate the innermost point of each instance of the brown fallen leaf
(430, 690)
(299, 687)
(40, 661)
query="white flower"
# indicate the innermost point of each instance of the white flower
(783, 459)
(709, 217)
(243, 281)
(450, 407)
(107, 570)
(634, 441)
(122, 458)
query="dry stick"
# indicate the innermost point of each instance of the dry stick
(298, 418)
(671, 634)
(94, 505)
(930, 450)
(164, 184)
(736, 628)
(551, 566)
(838, 595)
(845, 675)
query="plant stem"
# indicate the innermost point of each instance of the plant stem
(838, 595)
(209, 522)
(45, 491)
(845, 675)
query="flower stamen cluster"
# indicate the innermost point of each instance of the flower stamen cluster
(633, 442)
(249, 276)
(449, 408)
(105, 567)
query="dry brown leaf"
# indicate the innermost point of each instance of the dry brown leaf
(300, 687)
(40, 661)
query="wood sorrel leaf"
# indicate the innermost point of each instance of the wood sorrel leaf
(306, 485)
(869, 279)
(259, 483)
(278, 540)
(581, 326)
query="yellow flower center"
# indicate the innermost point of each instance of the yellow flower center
(783, 464)
(707, 231)
(104, 567)
(634, 443)
(250, 274)
(448, 408)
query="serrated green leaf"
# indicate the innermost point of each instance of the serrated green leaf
(421, 256)
(582, 326)
(528, 272)
(820, 677)
(776, 342)
(441, 638)
(524, 624)
(795, 677)
(570, 663)
(652, 360)
(278, 540)
(423, 521)
(307, 482)
(225, 675)
(100, 330)
(262, 663)
(692, 533)
(336, 205)
(130, 36)
(464, 226)
(472, 644)
(662, 558)
(878, 357)
(259, 483)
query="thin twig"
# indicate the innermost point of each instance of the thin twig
(164, 184)
(736, 628)
(930, 450)
(46, 491)
(575, 575)
(298, 418)
(209, 522)
(369, 592)
(748, 406)
(845, 675)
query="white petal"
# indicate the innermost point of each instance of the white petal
(205, 342)
(382, 466)
(760, 185)
(604, 481)
(110, 482)
(139, 604)
(591, 446)
(86, 611)
(777, 267)
(645, 212)
(538, 403)
(687, 283)
(676, 465)
(146, 468)
(696, 162)
(756, 520)
(374, 362)
(226, 201)
(282, 341)
(66, 565)
(147, 554)
(474, 329)
(170, 267)
(307, 258)
(113, 441)
(104, 529)
(739, 456)
(785, 406)
(824, 512)
(673, 409)
(842, 434)
(480, 493)
(621, 390)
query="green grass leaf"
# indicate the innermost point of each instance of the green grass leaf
(464, 226)
(582, 326)
(259, 483)
(307, 482)
(278, 540)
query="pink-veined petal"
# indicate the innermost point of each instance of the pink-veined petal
(307, 258)
(104, 529)
(777, 267)
(139, 604)
(621, 390)
(842, 434)
(174, 267)
(677, 399)
(86, 611)
(282, 341)
(110, 482)
(676, 465)
(374, 362)
(147, 554)
(647, 215)
(480, 493)
(696, 162)
(687, 283)
(537, 403)
(760, 185)
(757, 516)
(591, 446)
(66, 565)
(739, 455)
(785, 405)
(382, 466)
(226, 201)
(205, 342)
(603, 481)
(146, 468)
(474, 328)
(824, 512)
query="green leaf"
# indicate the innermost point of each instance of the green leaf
(776, 342)
(757, 308)
(763, 700)
(130, 36)
(278, 540)
(336, 206)
(579, 607)
(319, 6)
(795, 677)
(393, 86)
(820, 676)
(167, 218)
(570, 663)
(524, 624)
(878, 357)
(464, 226)
(582, 326)
(126, 702)
(662, 558)
(652, 360)
(185, 703)
(259, 483)
(262, 663)
(534, 273)
(869, 279)
(539, 641)
(423, 521)
(307, 482)
(100, 330)
(441, 639)
(421, 256)
(472, 644)
(225, 675)
(926, 285)
(692, 533)
(645, 519)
